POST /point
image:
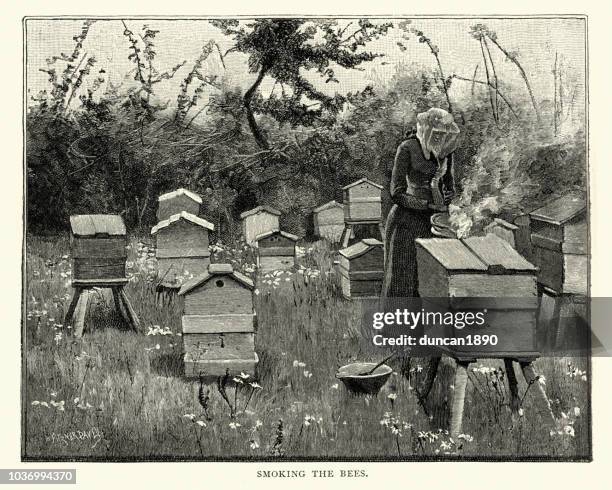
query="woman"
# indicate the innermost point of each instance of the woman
(422, 183)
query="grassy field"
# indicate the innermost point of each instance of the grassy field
(115, 394)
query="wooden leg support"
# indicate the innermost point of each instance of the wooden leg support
(119, 306)
(131, 314)
(461, 379)
(81, 312)
(513, 386)
(432, 370)
(381, 229)
(565, 324)
(72, 306)
(542, 402)
(346, 235)
(549, 309)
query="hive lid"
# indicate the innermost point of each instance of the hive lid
(328, 205)
(361, 181)
(290, 236)
(562, 209)
(260, 209)
(182, 215)
(216, 270)
(180, 192)
(83, 225)
(498, 255)
(359, 248)
(452, 254)
(490, 254)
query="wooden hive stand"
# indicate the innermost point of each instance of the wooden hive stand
(485, 274)
(98, 249)
(362, 207)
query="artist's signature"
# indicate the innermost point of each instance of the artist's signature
(93, 435)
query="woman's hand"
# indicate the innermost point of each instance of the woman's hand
(438, 207)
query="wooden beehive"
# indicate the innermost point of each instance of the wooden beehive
(98, 247)
(257, 221)
(480, 273)
(329, 221)
(275, 251)
(559, 237)
(362, 201)
(182, 247)
(361, 268)
(179, 200)
(218, 323)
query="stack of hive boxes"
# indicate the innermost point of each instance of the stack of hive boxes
(181, 238)
(218, 323)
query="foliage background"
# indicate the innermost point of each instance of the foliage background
(98, 145)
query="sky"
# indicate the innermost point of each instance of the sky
(536, 40)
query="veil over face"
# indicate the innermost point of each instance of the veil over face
(437, 132)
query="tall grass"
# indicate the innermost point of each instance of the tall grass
(117, 394)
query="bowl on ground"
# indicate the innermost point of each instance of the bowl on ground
(355, 381)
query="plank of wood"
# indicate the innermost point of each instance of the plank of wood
(522, 237)
(512, 385)
(495, 251)
(103, 283)
(218, 323)
(366, 275)
(94, 224)
(218, 367)
(133, 318)
(363, 211)
(568, 247)
(452, 254)
(458, 403)
(73, 303)
(81, 312)
(522, 287)
(119, 305)
(562, 209)
(277, 251)
(575, 274)
(542, 401)
(222, 346)
(515, 331)
(92, 248)
(269, 264)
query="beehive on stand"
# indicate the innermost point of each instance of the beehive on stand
(362, 201)
(98, 247)
(329, 221)
(257, 221)
(218, 323)
(276, 251)
(559, 237)
(480, 273)
(182, 247)
(361, 268)
(176, 201)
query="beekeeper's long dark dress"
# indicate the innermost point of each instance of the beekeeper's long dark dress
(409, 217)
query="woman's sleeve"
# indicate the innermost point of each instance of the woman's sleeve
(399, 185)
